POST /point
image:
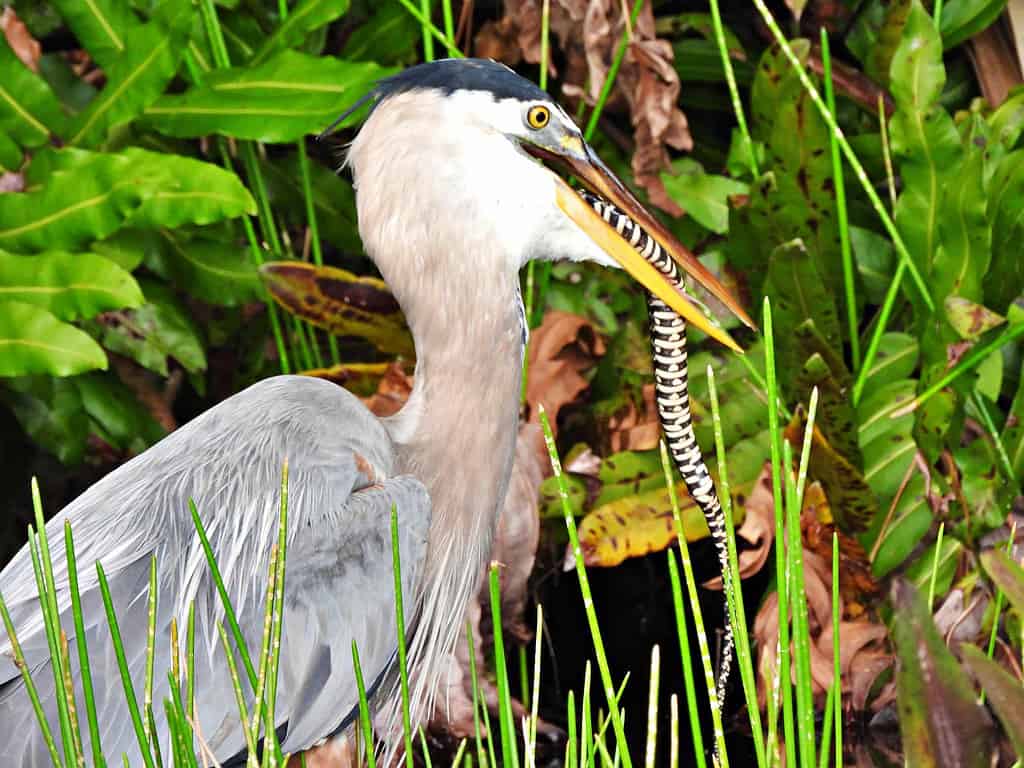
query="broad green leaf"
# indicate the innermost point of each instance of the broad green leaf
(698, 61)
(182, 190)
(941, 722)
(824, 368)
(920, 571)
(214, 271)
(799, 292)
(87, 204)
(1013, 433)
(886, 461)
(51, 413)
(875, 262)
(924, 140)
(106, 28)
(127, 247)
(852, 501)
(135, 79)
(1003, 690)
(1005, 279)
(159, 329)
(34, 341)
(68, 285)
(796, 198)
(880, 54)
(964, 233)
(702, 24)
(389, 36)
(340, 303)
(333, 199)
(550, 505)
(29, 112)
(1007, 122)
(116, 414)
(963, 19)
(11, 156)
(704, 197)
(875, 411)
(969, 319)
(896, 359)
(283, 99)
(77, 197)
(306, 16)
(1007, 575)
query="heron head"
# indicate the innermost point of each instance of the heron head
(449, 155)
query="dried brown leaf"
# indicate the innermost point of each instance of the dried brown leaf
(25, 47)
(393, 390)
(863, 652)
(562, 348)
(758, 528)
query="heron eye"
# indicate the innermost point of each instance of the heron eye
(538, 117)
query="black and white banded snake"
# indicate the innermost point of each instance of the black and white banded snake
(668, 351)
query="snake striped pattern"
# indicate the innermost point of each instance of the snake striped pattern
(668, 345)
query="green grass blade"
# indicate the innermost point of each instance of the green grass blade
(147, 695)
(428, 40)
(967, 363)
(364, 710)
(1005, 465)
(785, 699)
(236, 686)
(480, 754)
(570, 731)
(84, 669)
(509, 748)
(449, 21)
(229, 610)
(270, 741)
(837, 670)
(42, 565)
(122, 665)
(734, 595)
(841, 212)
(721, 755)
(613, 71)
(734, 92)
(935, 565)
(798, 597)
(30, 686)
(453, 51)
(652, 709)
(687, 662)
(581, 573)
(403, 668)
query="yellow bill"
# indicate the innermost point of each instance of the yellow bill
(612, 243)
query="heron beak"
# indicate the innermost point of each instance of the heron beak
(581, 161)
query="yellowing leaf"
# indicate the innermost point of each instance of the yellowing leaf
(636, 525)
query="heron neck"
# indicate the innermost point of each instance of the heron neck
(458, 430)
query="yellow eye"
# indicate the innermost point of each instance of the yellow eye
(538, 117)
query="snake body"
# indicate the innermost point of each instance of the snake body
(668, 347)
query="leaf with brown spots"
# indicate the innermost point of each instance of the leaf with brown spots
(970, 319)
(340, 302)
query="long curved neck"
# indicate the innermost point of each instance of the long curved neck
(457, 435)
(457, 432)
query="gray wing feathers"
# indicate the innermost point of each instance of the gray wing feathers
(339, 583)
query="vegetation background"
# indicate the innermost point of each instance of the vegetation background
(153, 155)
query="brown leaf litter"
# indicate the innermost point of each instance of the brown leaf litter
(647, 85)
(560, 350)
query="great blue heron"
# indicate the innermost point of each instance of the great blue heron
(451, 204)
